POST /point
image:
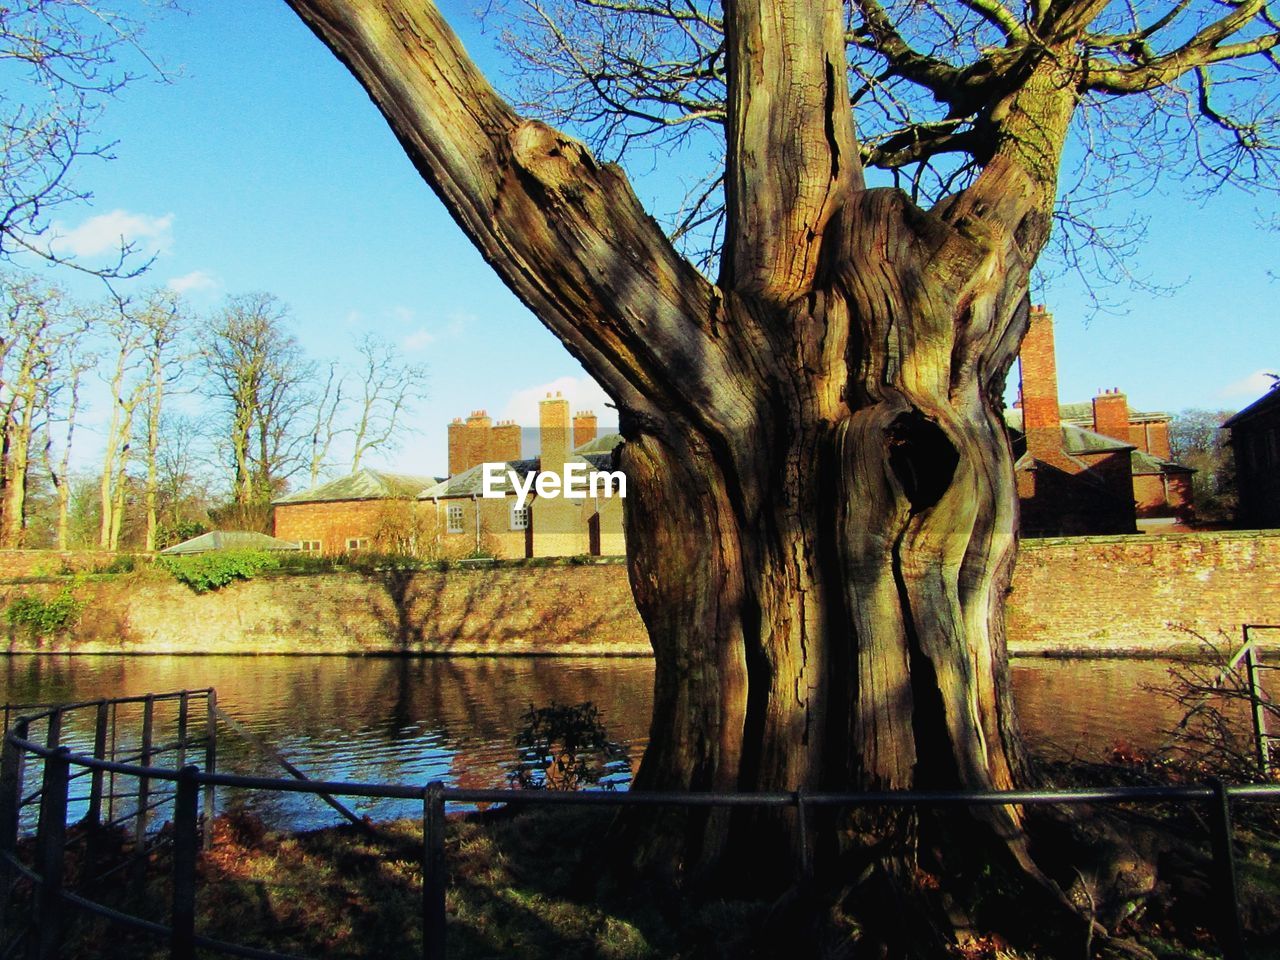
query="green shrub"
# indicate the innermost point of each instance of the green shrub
(209, 571)
(43, 617)
(301, 561)
(121, 563)
(566, 747)
(368, 561)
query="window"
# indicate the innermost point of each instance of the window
(309, 546)
(357, 543)
(455, 518)
(519, 518)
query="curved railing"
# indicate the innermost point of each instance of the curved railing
(192, 797)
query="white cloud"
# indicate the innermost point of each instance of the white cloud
(420, 339)
(583, 393)
(1252, 386)
(197, 281)
(103, 234)
(458, 322)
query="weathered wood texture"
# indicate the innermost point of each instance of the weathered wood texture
(822, 510)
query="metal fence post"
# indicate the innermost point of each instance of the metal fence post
(183, 705)
(185, 842)
(53, 735)
(144, 783)
(51, 838)
(802, 838)
(1230, 931)
(210, 762)
(111, 780)
(100, 753)
(1259, 712)
(433, 872)
(11, 765)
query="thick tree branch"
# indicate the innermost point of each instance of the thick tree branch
(1142, 70)
(565, 233)
(793, 160)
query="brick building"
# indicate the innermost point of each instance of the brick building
(1091, 468)
(544, 526)
(347, 514)
(375, 510)
(1255, 444)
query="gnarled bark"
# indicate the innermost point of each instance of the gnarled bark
(821, 522)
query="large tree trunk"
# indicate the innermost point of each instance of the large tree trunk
(822, 567)
(821, 513)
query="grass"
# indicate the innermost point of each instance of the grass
(527, 885)
(516, 889)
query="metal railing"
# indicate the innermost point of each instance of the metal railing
(51, 898)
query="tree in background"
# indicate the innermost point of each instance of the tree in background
(325, 427)
(387, 389)
(37, 327)
(256, 371)
(1196, 440)
(58, 67)
(821, 524)
(63, 411)
(165, 350)
(182, 492)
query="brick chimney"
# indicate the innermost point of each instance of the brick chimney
(457, 446)
(585, 428)
(1038, 392)
(477, 442)
(554, 431)
(1111, 415)
(504, 442)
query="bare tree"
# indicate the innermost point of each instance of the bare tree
(388, 388)
(165, 353)
(59, 62)
(1197, 440)
(822, 511)
(257, 371)
(325, 427)
(63, 409)
(31, 337)
(126, 379)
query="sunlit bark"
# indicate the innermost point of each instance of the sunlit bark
(822, 517)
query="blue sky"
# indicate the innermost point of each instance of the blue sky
(263, 166)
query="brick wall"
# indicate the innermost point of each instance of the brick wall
(1091, 595)
(331, 522)
(44, 563)
(1108, 594)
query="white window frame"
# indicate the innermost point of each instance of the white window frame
(456, 518)
(356, 544)
(519, 517)
(311, 546)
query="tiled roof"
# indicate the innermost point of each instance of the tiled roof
(1267, 402)
(1075, 439)
(228, 540)
(363, 485)
(1083, 413)
(470, 483)
(1144, 463)
(604, 444)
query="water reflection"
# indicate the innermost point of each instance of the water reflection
(414, 720)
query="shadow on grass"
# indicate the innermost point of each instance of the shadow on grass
(521, 885)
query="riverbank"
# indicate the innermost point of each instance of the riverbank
(1089, 596)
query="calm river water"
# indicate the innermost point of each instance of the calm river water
(416, 720)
